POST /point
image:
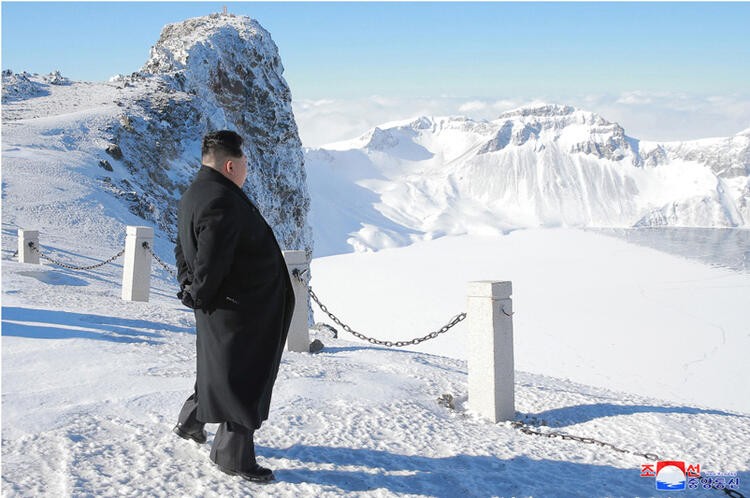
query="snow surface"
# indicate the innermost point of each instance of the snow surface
(92, 384)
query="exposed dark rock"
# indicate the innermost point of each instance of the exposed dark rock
(316, 346)
(114, 151)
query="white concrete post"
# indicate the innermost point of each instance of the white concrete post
(25, 254)
(299, 335)
(490, 352)
(136, 272)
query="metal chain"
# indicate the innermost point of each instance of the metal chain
(71, 267)
(445, 328)
(528, 429)
(164, 265)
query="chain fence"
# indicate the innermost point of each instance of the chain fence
(57, 262)
(161, 263)
(412, 342)
(72, 267)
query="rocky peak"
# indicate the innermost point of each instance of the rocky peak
(425, 123)
(379, 139)
(228, 60)
(728, 157)
(554, 116)
(539, 110)
(218, 72)
(576, 130)
(56, 78)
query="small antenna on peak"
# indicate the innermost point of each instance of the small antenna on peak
(224, 9)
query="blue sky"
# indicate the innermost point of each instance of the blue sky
(478, 52)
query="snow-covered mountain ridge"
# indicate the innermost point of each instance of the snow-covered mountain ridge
(541, 165)
(137, 137)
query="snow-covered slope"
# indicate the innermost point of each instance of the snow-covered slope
(92, 384)
(546, 165)
(135, 141)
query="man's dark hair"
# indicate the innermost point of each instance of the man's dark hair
(223, 143)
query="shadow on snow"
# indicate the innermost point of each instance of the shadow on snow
(578, 414)
(458, 475)
(51, 324)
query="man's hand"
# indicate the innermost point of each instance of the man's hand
(185, 297)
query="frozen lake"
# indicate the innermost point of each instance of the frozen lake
(719, 247)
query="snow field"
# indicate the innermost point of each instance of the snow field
(588, 307)
(92, 386)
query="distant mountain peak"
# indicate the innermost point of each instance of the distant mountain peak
(561, 115)
(540, 110)
(379, 139)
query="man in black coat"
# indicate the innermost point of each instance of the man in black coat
(233, 274)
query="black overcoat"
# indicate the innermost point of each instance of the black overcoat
(228, 256)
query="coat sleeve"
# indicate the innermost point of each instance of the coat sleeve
(217, 236)
(183, 274)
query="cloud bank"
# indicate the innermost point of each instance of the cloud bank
(655, 116)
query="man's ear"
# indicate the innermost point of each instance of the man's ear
(228, 165)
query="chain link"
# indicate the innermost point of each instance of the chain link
(652, 457)
(71, 267)
(164, 265)
(445, 328)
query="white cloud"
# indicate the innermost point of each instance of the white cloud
(658, 116)
(662, 116)
(634, 98)
(487, 107)
(472, 106)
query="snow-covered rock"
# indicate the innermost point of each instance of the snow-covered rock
(224, 71)
(728, 157)
(56, 78)
(21, 86)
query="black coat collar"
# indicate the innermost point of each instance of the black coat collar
(210, 174)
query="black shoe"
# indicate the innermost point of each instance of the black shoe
(199, 437)
(255, 474)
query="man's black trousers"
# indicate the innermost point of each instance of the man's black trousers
(232, 448)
